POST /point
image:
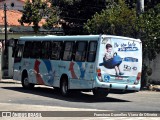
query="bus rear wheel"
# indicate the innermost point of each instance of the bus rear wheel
(26, 84)
(100, 93)
(64, 87)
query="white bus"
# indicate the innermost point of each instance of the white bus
(98, 63)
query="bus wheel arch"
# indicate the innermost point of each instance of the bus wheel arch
(64, 85)
(25, 81)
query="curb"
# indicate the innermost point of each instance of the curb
(25, 107)
(10, 81)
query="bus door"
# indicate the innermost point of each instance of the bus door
(17, 62)
(90, 65)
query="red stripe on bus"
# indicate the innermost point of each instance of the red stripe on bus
(71, 69)
(38, 76)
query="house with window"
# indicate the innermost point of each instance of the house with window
(13, 4)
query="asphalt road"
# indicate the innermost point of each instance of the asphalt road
(11, 93)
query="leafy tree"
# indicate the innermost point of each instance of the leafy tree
(147, 3)
(150, 4)
(116, 19)
(51, 16)
(34, 12)
(149, 24)
(75, 13)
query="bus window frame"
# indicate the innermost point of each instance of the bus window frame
(72, 51)
(34, 56)
(29, 53)
(48, 50)
(60, 51)
(88, 51)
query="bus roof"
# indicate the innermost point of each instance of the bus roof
(70, 38)
(60, 38)
(121, 37)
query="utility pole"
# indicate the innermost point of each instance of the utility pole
(140, 10)
(140, 7)
(5, 24)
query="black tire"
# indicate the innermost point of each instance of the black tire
(100, 93)
(57, 89)
(64, 87)
(26, 84)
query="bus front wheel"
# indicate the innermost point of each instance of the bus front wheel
(26, 84)
(64, 87)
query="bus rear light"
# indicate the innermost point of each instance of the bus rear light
(99, 75)
(139, 76)
(98, 70)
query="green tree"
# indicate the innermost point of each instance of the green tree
(34, 12)
(150, 4)
(116, 19)
(75, 13)
(51, 14)
(149, 24)
(119, 19)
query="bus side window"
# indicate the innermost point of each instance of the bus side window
(68, 51)
(56, 50)
(46, 46)
(18, 53)
(27, 49)
(92, 51)
(81, 48)
(36, 51)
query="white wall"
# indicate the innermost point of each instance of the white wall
(18, 5)
(155, 65)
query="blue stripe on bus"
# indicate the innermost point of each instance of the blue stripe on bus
(50, 71)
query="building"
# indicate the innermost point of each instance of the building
(13, 4)
(14, 28)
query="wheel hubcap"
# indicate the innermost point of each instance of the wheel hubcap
(64, 87)
(26, 83)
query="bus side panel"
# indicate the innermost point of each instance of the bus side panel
(89, 73)
(28, 65)
(80, 74)
(17, 71)
(42, 71)
(50, 72)
(68, 68)
(47, 72)
(83, 72)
